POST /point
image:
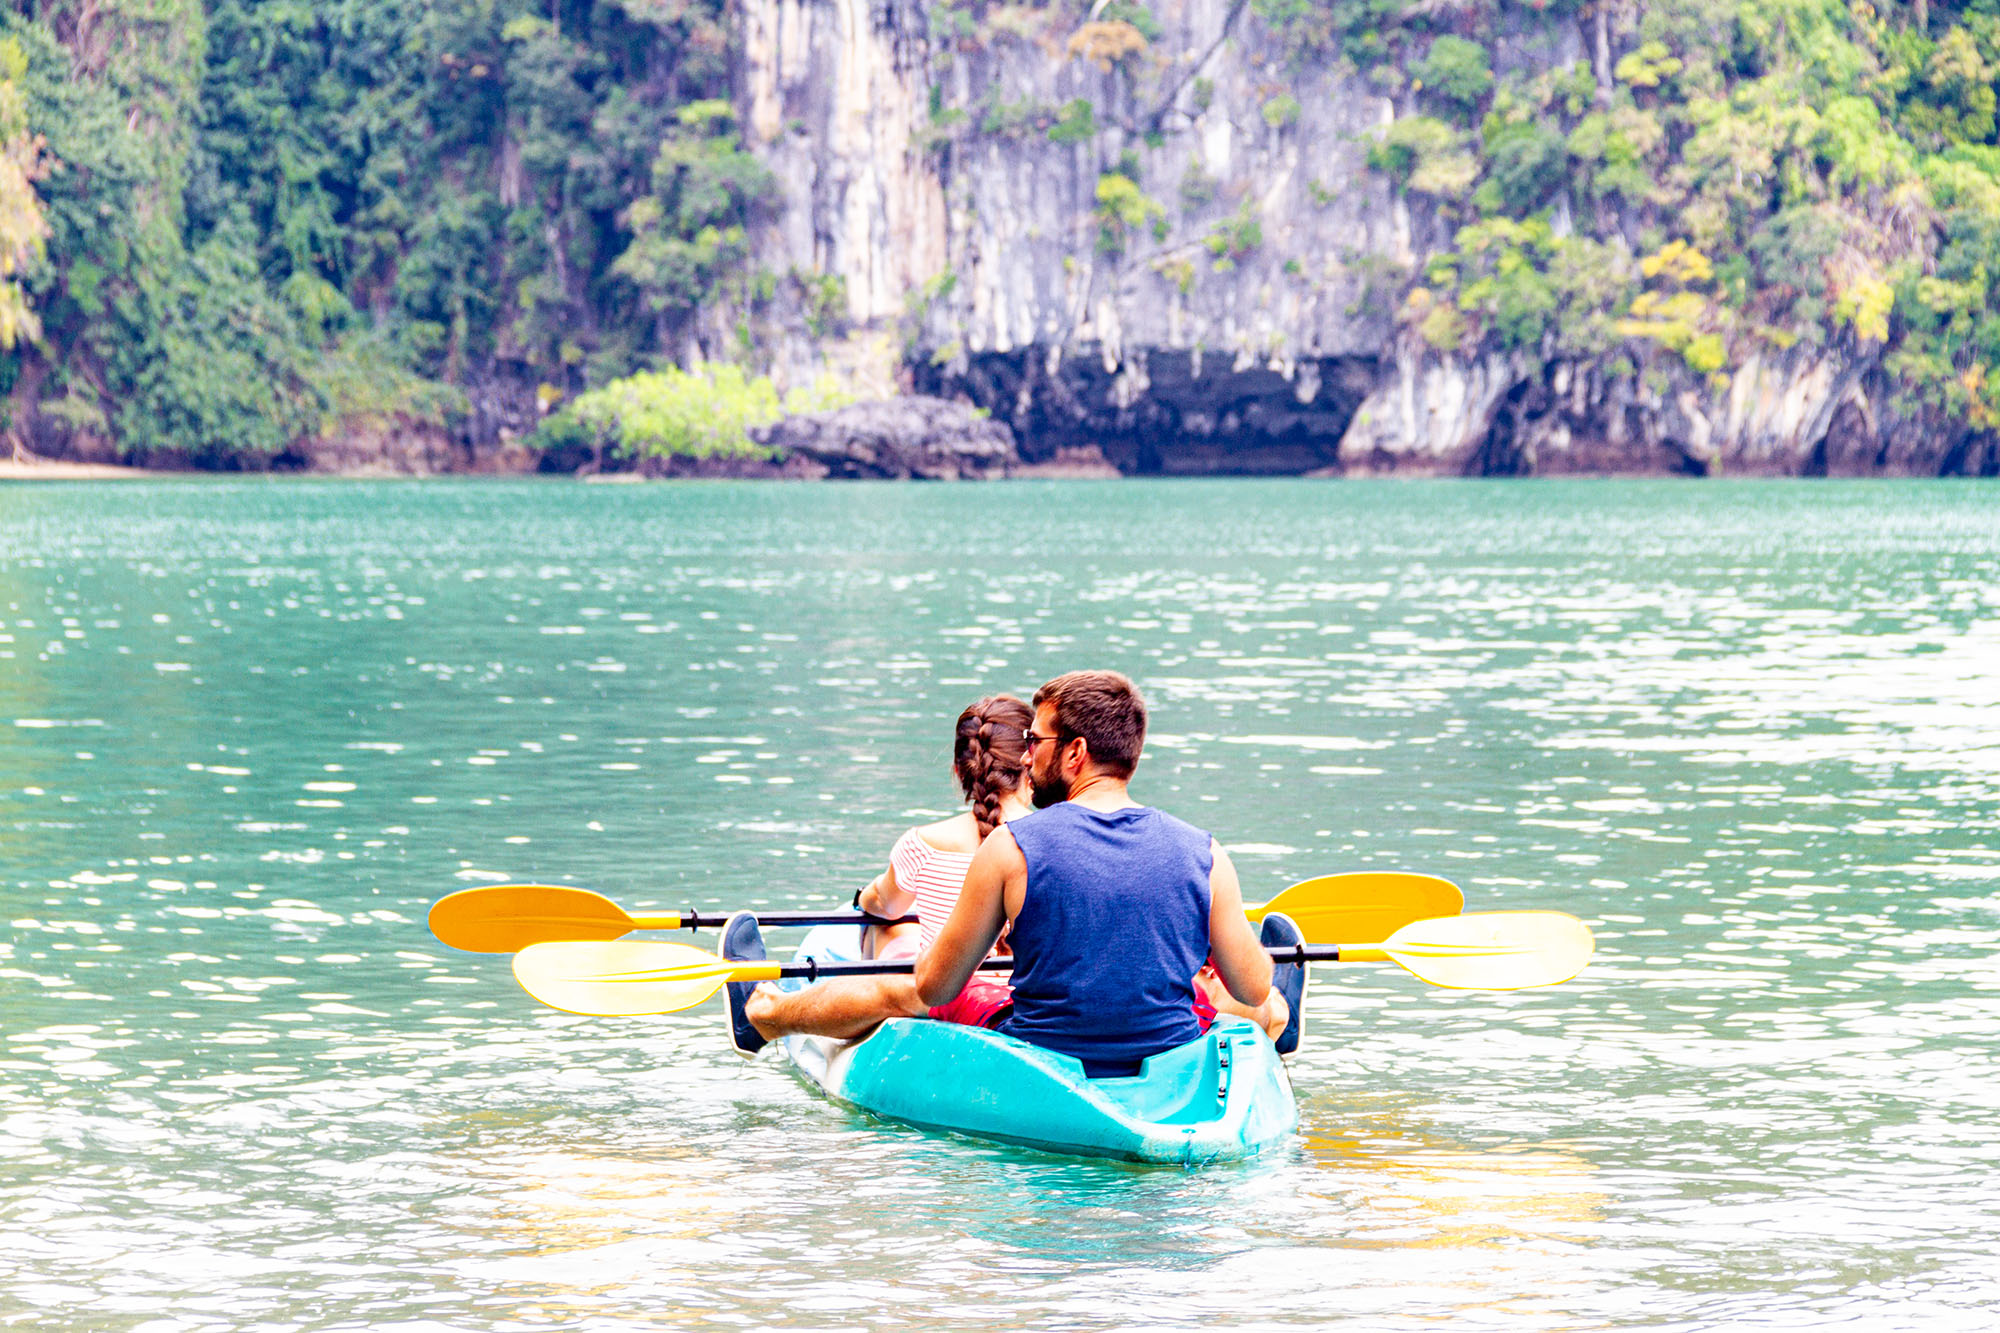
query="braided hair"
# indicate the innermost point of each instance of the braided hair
(989, 753)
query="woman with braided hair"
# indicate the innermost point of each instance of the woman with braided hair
(926, 868)
(927, 865)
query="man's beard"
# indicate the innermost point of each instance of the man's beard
(1052, 790)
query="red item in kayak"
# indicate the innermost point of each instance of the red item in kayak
(982, 1004)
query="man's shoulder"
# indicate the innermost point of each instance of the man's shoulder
(1182, 827)
(1070, 810)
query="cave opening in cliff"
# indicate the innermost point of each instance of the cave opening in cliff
(1167, 412)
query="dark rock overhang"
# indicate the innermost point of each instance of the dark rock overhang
(1166, 412)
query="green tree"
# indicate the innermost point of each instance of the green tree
(1457, 71)
(24, 231)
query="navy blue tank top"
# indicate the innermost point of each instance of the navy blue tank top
(1110, 935)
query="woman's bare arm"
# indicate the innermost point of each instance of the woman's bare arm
(968, 933)
(884, 897)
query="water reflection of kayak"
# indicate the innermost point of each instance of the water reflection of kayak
(1220, 1097)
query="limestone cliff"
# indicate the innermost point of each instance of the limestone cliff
(1172, 247)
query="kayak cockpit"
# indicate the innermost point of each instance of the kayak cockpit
(1222, 1096)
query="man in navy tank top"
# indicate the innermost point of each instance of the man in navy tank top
(1111, 906)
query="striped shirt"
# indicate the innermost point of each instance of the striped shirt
(932, 877)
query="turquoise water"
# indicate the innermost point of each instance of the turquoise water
(250, 730)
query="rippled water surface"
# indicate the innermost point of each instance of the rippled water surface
(249, 731)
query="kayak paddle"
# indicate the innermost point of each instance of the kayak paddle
(1477, 951)
(506, 918)
(1362, 904)
(1482, 951)
(629, 977)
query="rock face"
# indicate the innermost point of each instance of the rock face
(900, 438)
(403, 449)
(1235, 311)
(1797, 416)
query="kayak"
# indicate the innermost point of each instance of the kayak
(1222, 1097)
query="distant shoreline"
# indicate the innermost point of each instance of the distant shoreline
(33, 467)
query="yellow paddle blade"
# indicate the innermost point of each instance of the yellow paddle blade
(1491, 950)
(1363, 905)
(506, 918)
(627, 976)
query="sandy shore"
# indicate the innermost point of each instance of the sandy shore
(32, 467)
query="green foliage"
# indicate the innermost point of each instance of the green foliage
(1443, 327)
(1859, 148)
(944, 119)
(1791, 250)
(824, 299)
(1076, 123)
(1005, 119)
(953, 23)
(215, 369)
(1281, 111)
(706, 412)
(1503, 285)
(1592, 280)
(364, 380)
(1198, 187)
(272, 219)
(1424, 154)
(1648, 66)
(1842, 167)
(172, 344)
(1525, 163)
(1311, 30)
(1234, 237)
(1179, 270)
(689, 232)
(1121, 206)
(252, 190)
(1457, 71)
(1569, 91)
(1611, 153)
(1140, 16)
(24, 230)
(1959, 77)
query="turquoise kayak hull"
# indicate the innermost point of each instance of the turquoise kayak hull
(1222, 1097)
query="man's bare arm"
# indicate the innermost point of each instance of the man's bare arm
(1239, 959)
(968, 933)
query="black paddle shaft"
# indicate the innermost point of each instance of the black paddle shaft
(814, 970)
(693, 920)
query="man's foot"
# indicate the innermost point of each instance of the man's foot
(1288, 979)
(742, 942)
(762, 1008)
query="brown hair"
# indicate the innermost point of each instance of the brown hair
(989, 753)
(1105, 709)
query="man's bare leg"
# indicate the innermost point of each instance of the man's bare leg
(841, 1007)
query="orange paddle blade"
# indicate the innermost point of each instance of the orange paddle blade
(1362, 905)
(506, 918)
